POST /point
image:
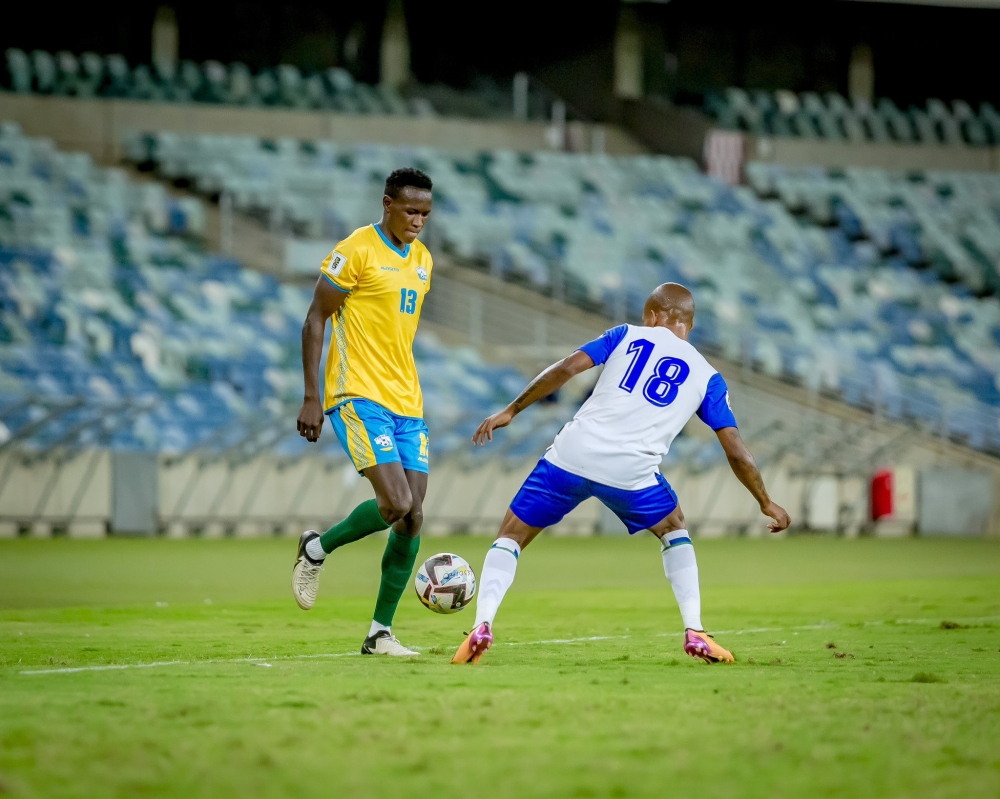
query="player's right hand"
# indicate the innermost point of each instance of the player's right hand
(310, 421)
(491, 423)
(779, 517)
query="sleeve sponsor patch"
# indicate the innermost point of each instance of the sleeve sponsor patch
(337, 263)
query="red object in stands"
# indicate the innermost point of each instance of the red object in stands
(881, 494)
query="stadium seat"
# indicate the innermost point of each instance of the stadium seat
(43, 66)
(68, 67)
(241, 90)
(91, 74)
(18, 71)
(119, 76)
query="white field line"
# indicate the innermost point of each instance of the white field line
(545, 642)
(122, 666)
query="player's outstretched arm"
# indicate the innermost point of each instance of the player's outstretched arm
(745, 468)
(326, 301)
(553, 378)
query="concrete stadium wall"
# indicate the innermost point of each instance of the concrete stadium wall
(268, 495)
(99, 126)
(70, 493)
(831, 154)
(273, 496)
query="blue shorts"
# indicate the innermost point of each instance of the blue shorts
(550, 493)
(370, 434)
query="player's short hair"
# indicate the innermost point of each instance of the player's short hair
(408, 176)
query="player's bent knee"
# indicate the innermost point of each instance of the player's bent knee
(674, 522)
(395, 507)
(415, 520)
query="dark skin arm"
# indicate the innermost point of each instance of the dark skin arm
(550, 380)
(746, 471)
(325, 303)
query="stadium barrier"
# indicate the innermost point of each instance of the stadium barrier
(270, 495)
(100, 126)
(833, 154)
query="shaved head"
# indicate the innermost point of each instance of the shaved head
(670, 305)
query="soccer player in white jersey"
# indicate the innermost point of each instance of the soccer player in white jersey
(653, 382)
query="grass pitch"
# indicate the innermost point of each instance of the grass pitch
(866, 668)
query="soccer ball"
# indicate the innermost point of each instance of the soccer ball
(445, 583)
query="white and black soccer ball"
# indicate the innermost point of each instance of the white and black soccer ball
(445, 583)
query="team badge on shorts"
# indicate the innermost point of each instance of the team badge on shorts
(383, 442)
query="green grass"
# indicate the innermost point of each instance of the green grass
(866, 668)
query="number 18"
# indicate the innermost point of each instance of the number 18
(668, 374)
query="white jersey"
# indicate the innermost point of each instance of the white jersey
(653, 383)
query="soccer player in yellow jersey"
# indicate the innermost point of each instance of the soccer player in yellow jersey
(372, 287)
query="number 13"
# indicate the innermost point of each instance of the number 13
(407, 301)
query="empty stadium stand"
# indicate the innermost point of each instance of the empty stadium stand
(120, 332)
(839, 300)
(117, 329)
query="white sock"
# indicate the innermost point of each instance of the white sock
(497, 577)
(314, 549)
(376, 627)
(681, 568)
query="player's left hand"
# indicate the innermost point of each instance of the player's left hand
(491, 423)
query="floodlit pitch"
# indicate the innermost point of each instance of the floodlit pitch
(180, 668)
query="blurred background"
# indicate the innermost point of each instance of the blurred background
(826, 181)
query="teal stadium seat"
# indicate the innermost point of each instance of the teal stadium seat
(18, 71)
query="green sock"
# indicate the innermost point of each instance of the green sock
(364, 520)
(397, 565)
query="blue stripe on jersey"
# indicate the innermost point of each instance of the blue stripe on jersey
(600, 349)
(715, 410)
(339, 288)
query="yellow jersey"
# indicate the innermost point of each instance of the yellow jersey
(371, 349)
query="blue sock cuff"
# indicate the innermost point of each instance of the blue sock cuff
(670, 543)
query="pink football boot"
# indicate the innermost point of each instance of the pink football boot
(475, 646)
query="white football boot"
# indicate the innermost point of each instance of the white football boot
(385, 643)
(305, 573)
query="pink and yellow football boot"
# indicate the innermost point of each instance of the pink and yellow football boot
(475, 646)
(702, 645)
